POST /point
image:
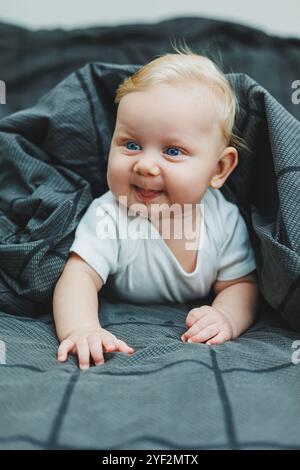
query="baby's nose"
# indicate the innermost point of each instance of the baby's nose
(147, 165)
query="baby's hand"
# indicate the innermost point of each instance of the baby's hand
(207, 324)
(88, 342)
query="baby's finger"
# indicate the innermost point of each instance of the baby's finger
(123, 347)
(205, 334)
(96, 350)
(65, 346)
(197, 326)
(83, 353)
(195, 314)
(109, 343)
(219, 338)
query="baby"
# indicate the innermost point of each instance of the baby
(172, 149)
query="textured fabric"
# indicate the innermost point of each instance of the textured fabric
(239, 395)
(137, 265)
(243, 394)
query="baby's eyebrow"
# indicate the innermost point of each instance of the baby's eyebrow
(126, 127)
(183, 141)
(178, 138)
(126, 134)
(126, 131)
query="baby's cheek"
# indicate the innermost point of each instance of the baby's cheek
(181, 188)
(191, 188)
(117, 173)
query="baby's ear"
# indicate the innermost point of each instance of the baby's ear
(228, 161)
(232, 158)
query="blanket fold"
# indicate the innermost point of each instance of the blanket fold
(54, 160)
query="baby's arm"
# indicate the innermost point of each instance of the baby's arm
(238, 300)
(232, 312)
(75, 310)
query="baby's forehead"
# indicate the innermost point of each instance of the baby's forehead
(190, 95)
(185, 103)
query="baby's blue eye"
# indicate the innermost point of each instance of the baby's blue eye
(172, 154)
(132, 144)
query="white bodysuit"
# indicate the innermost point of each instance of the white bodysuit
(145, 270)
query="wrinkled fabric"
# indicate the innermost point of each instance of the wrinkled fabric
(54, 162)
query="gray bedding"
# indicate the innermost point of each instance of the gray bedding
(243, 394)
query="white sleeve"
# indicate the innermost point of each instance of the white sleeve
(96, 240)
(236, 256)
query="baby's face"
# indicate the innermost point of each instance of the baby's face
(167, 140)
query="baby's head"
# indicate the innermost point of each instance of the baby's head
(174, 131)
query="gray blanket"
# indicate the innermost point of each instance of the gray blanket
(243, 394)
(168, 395)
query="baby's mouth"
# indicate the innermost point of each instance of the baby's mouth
(146, 193)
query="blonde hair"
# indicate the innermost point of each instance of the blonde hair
(185, 64)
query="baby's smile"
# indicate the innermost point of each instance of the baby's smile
(146, 195)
